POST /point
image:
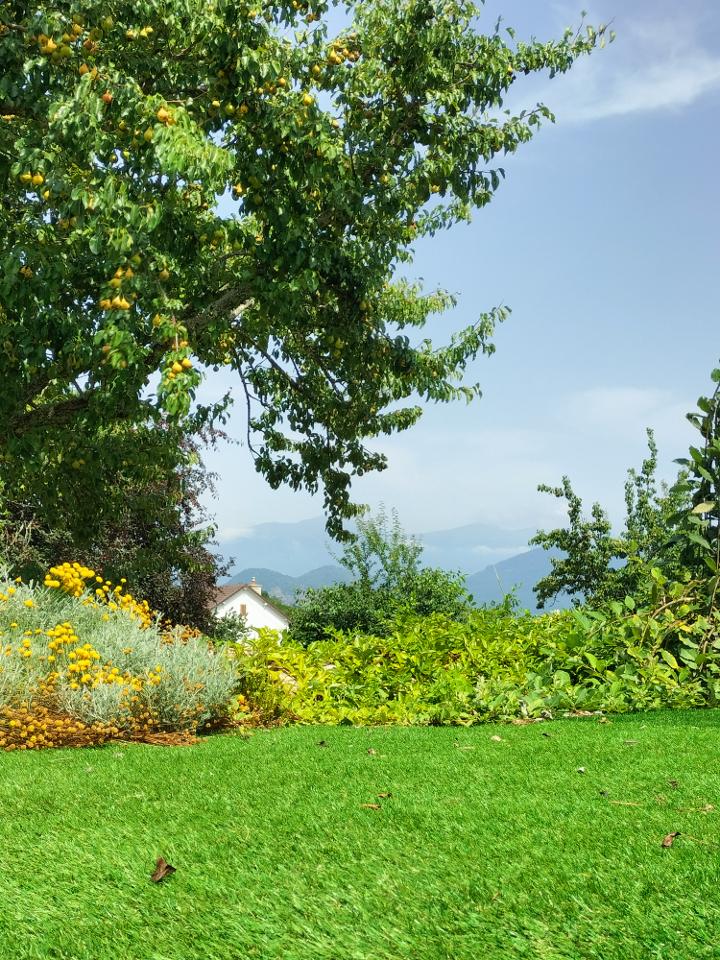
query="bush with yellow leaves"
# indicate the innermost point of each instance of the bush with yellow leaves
(82, 661)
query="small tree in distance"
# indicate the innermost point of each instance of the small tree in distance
(388, 581)
(595, 565)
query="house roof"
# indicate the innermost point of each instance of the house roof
(230, 589)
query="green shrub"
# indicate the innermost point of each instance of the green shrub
(425, 670)
(495, 664)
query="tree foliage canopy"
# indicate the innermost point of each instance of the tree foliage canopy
(122, 278)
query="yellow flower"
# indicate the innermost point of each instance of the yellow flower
(29, 603)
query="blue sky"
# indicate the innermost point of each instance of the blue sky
(604, 242)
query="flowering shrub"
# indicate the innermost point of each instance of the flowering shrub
(81, 661)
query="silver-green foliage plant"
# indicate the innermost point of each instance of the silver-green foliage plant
(184, 682)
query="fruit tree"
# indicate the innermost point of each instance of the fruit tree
(187, 185)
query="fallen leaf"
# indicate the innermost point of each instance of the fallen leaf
(372, 752)
(371, 806)
(708, 808)
(625, 803)
(674, 784)
(670, 839)
(162, 869)
(384, 796)
(496, 739)
(631, 741)
(322, 743)
(546, 734)
(604, 720)
(604, 793)
(580, 770)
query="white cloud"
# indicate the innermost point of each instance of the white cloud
(233, 533)
(655, 64)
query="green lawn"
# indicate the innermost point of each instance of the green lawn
(485, 850)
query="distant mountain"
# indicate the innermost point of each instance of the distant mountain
(473, 546)
(284, 587)
(305, 546)
(488, 586)
(297, 547)
(523, 572)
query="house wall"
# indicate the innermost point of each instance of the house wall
(257, 614)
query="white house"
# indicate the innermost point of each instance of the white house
(247, 600)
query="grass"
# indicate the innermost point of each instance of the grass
(485, 850)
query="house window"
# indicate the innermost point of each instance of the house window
(243, 609)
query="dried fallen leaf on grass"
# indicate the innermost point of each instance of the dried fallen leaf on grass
(162, 869)
(669, 840)
(496, 739)
(384, 796)
(372, 752)
(625, 803)
(371, 806)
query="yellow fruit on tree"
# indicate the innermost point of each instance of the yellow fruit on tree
(187, 363)
(148, 135)
(176, 368)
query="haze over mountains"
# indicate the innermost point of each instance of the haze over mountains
(287, 557)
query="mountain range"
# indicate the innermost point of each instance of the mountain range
(304, 553)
